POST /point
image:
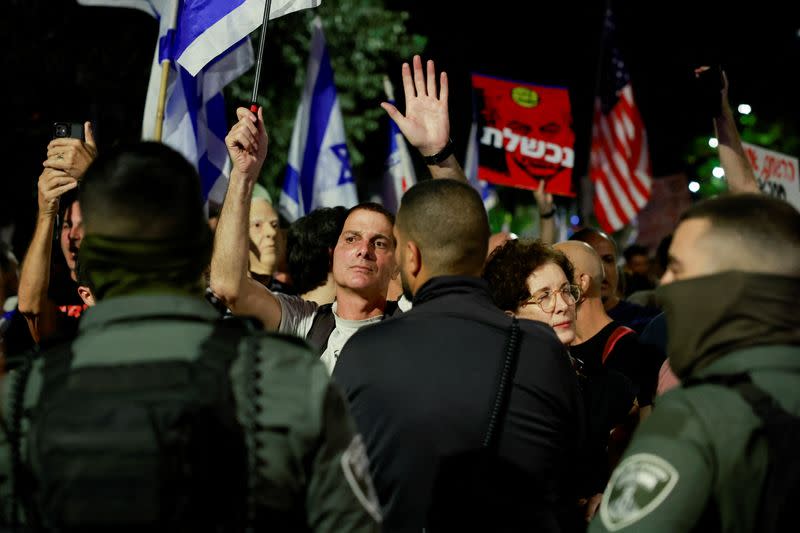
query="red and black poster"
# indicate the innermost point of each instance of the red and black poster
(524, 134)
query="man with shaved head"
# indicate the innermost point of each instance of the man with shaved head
(600, 340)
(730, 299)
(422, 387)
(589, 277)
(628, 313)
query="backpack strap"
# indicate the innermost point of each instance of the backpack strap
(615, 336)
(762, 403)
(781, 430)
(503, 396)
(324, 323)
(321, 328)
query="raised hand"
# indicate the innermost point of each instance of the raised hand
(544, 200)
(247, 143)
(426, 123)
(72, 156)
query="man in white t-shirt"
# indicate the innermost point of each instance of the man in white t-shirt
(363, 264)
(363, 259)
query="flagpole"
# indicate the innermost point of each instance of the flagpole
(585, 188)
(261, 42)
(165, 65)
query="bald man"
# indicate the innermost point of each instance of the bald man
(600, 340)
(628, 313)
(421, 387)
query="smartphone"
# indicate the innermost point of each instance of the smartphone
(73, 130)
(709, 84)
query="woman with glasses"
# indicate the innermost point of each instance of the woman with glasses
(529, 279)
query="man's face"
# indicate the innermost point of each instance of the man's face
(263, 231)
(544, 124)
(689, 255)
(549, 126)
(71, 235)
(608, 256)
(363, 259)
(639, 264)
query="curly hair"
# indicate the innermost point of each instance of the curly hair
(509, 266)
(309, 242)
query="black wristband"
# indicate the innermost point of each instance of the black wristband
(445, 152)
(549, 214)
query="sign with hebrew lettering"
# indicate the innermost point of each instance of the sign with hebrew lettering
(524, 134)
(777, 173)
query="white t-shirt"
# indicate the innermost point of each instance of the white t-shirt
(297, 315)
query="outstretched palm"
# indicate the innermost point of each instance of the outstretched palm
(426, 123)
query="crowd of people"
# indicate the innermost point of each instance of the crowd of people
(367, 370)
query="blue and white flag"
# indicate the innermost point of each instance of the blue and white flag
(318, 173)
(195, 121)
(487, 192)
(398, 175)
(209, 28)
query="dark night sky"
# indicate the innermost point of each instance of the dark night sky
(49, 43)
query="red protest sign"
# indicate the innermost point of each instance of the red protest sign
(524, 134)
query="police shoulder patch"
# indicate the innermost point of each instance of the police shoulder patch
(638, 486)
(355, 465)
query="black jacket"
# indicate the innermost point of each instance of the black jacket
(421, 387)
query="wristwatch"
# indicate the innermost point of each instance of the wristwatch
(443, 154)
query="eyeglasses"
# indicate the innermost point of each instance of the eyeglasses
(547, 300)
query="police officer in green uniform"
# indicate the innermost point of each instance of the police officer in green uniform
(699, 463)
(146, 246)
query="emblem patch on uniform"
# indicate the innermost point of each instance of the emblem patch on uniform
(355, 465)
(639, 484)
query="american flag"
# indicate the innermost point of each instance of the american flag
(620, 163)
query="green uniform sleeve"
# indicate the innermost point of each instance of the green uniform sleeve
(32, 388)
(664, 480)
(309, 470)
(341, 496)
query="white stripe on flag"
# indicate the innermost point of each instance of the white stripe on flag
(608, 206)
(234, 26)
(194, 115)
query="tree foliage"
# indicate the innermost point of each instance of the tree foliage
(365, 41)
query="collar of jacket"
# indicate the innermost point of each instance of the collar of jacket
(710, 316)
(135, 307)
(449, 285)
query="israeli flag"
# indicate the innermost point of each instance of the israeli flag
(210, 28)
(399, 174)
(487, 192)
(318, 173)
(195, 121)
